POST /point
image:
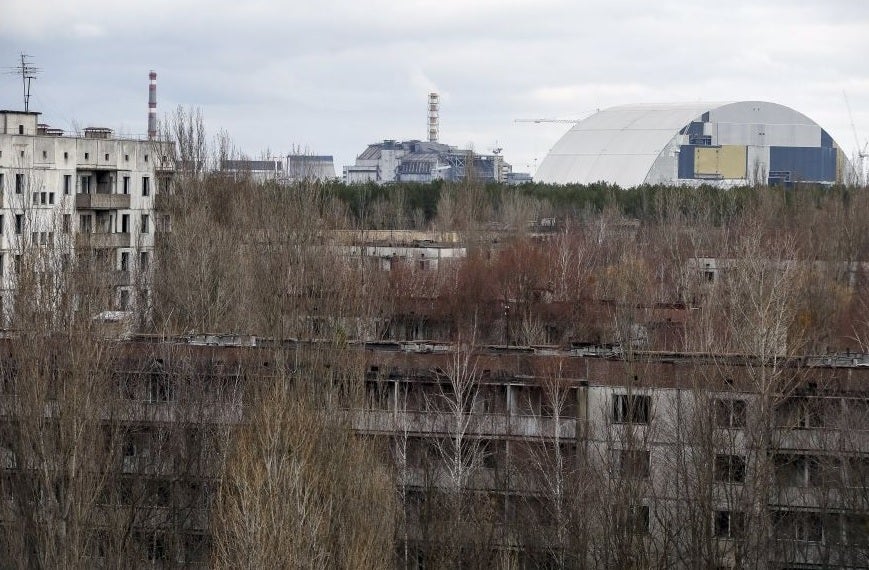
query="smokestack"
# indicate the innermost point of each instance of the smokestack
(433, 119)
(152, 106)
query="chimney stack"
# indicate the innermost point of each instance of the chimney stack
(433, 119)
(152, 106)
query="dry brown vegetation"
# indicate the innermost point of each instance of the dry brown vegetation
(262, 465)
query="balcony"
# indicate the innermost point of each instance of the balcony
(102, 201)
(104, 240)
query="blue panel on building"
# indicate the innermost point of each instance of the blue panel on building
(695, 129)
(826, 139)
(686, 161)
(804, 164)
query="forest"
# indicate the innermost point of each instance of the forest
(128, 449)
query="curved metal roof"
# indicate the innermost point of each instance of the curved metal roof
(617, 145)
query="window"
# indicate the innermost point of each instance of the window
(1, 264)
(631, 409)
(66, 223)
(159, 388)
(143, 261)
(145, 220)
(19, 223)
(43, 198)
(20, 129)
(87, 155)
(107, 156)
(17, 266)
(795, 470)
(67, 184)
(798, 525)
(146, 186)
(19, 183)
(125, 223)
(51, 198)
(1, 178)
(1, 224)
(730, 413)
(126, 186)
(729, 524)
(34, 238)
(729, 468)
(146, 158)
(86, 184)
(637, 519)
(44, 155)
(85, 223)
(857, 529)
(35, 198)
(65, 155)
(126, 158)
(125, 261)
(633, 463)
(124, 302)
(801, 413)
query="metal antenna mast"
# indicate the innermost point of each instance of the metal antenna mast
(28, 73)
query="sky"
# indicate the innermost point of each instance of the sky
(332, 76)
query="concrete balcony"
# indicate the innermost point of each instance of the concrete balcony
(104, 240)
(102, 201)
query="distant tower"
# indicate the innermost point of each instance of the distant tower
(152, 106)
(433, 119)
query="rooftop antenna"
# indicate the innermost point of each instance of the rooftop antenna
(28, 73)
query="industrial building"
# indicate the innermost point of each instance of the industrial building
(284, 170)
(424, 161)
(726, 144)
(419, 161)
(310, 167)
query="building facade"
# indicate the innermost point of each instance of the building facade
(92, 192)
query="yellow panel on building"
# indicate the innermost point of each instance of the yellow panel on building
(728, 161)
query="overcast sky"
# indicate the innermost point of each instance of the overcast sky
(331, 76)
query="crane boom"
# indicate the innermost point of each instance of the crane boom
(860, 152)
(545, 120)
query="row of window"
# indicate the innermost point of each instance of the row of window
(86, 185)
(87, 155)
(44, 238)
(85, 224)
(636, 409)
(727, 413)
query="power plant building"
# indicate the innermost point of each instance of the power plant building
(726, 144)
(423, 161)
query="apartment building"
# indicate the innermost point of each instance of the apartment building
(585, 457)
(91, 192)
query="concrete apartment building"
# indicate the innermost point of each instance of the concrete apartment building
(684, 444)
(91, 190)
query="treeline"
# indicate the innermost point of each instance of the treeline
(415, 205)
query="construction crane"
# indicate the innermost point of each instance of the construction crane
(861, 152)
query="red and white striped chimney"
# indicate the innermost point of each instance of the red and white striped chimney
(152, 106)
